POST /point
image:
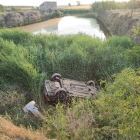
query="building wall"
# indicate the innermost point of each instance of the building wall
(46, 6)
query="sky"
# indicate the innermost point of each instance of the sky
(38, 2)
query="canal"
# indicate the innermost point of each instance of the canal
(68, 25)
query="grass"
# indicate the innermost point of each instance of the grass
(86, 15)
(74, 11)
(9, 131)
(26, 60)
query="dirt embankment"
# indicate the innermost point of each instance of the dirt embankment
(8, 131)
(120, 22)
(14, 19)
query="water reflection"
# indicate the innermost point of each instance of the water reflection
(73, 25)
(47, 30)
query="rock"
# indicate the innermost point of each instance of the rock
(119, 22)
(21, 18)
(14, 19)
(2, 22)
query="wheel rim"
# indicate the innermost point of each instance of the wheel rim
(61, 95)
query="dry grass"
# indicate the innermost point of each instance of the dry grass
(74, 7)
(9, 132)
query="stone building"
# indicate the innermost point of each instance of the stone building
(48, 6)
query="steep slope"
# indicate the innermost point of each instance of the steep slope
(120, 22)
(8, 131)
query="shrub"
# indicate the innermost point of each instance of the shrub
(26, 60)
(134, 56)
(117, 113)
(112, 114)
(15, 8)
(2, 8)
(111, 5)
(87, 15)
(74, 11)
(58, 14)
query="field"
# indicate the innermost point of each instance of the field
(26, 60)
(74, 7)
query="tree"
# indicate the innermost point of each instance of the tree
(69, 4)
(78, 3)
(2, 8)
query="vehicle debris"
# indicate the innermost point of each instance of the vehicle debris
(31, 107)
(61, 89)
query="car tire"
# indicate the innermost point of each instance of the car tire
(56, 77)
(61, 94)
(91, 83)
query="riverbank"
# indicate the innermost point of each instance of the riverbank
(120, 22)
(14, 19)
(37, 26)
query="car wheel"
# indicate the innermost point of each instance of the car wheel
(61, 94)
(55, 77)
(91, 83)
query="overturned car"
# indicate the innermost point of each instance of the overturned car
(61, 89)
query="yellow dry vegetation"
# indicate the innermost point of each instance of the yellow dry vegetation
(75, 7)
(8, 131)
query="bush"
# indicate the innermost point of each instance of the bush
(87, 15)
(26, 60)
(112, 114)
(58, 14)
(29, 57)
(2, 8)
(74, 11)
(134, 56)
(117, 112)
(15, 8)
(112, 5)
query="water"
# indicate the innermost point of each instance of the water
(73, 25)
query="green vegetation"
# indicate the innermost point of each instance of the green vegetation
(111, 5)
(2, 8)
(135, 30)
(86, 15)
(15, 8)
(113, 114)
(26, 60)
(58, 14)
(74, 11)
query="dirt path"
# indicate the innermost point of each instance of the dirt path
(36, 26)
